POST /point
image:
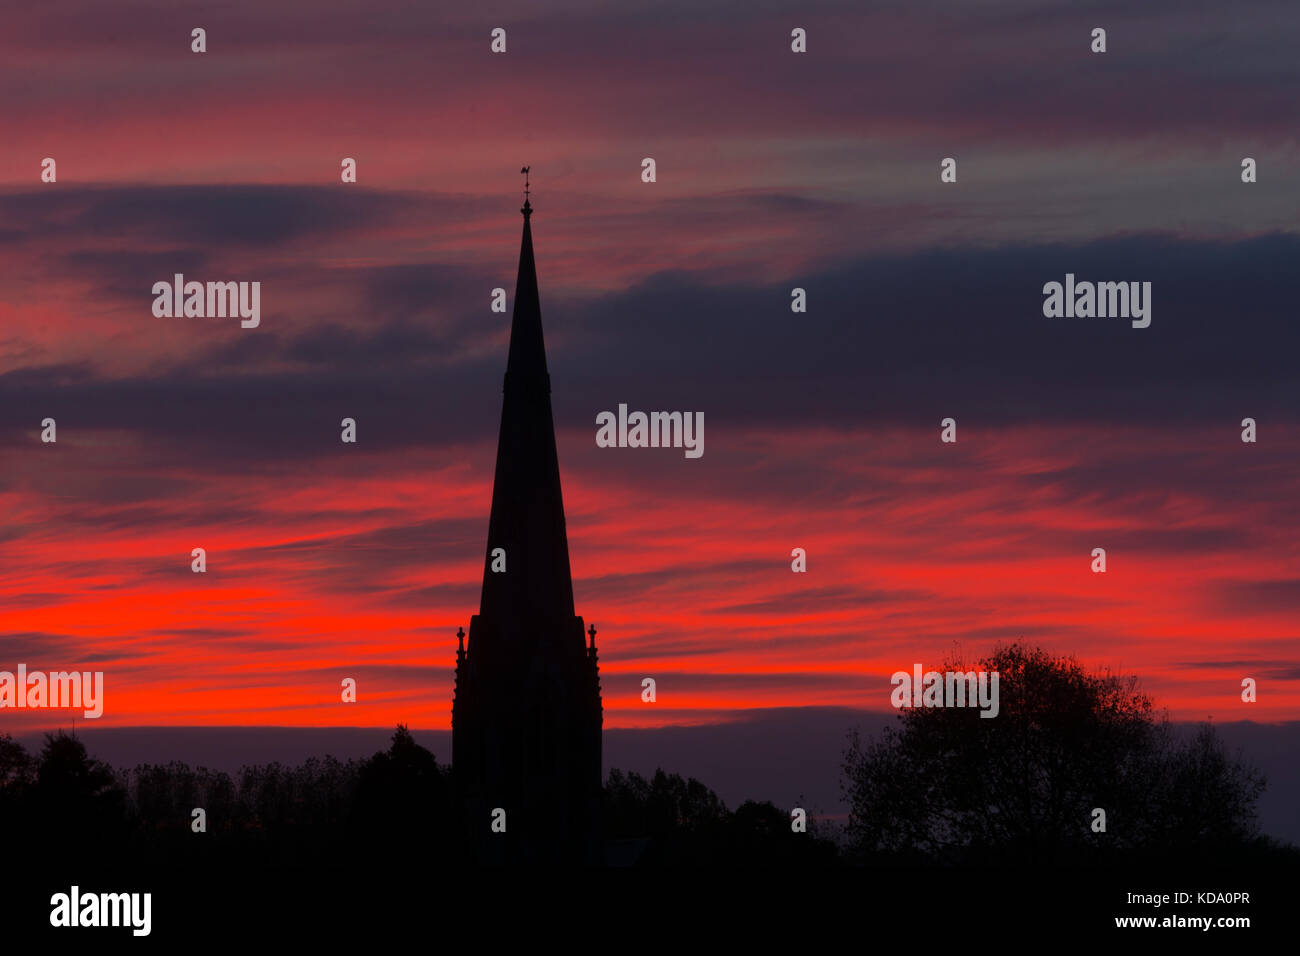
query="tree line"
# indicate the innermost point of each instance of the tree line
(944, 787)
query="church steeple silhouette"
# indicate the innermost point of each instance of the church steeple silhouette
(526, 716)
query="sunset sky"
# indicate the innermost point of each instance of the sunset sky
(774, 170)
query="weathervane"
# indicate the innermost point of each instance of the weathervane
(525, 172)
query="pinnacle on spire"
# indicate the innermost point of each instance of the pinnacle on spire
(527, 208)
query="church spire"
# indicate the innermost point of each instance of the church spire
(527, 715)
(527, 520)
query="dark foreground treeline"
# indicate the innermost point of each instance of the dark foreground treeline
(396, 804)
(1076, 770)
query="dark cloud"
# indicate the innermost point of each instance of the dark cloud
(38, 599)
(129, 274)
(707, 682)
(823, 599)
(890, 340)
(431, 540)
(463, 594)
(367, 562)
(1010, 71)
(209, 217)
(43, 651)
(681, 575)
(1273, 670)
(958, 331)
(1261, 597)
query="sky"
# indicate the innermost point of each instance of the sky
(774, 170)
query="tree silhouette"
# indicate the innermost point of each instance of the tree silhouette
(680, 822)
(948, 785)
(75, 799)
(15, 764)
(760, 834)
(403, 801)
(681, 819)
(1203, 798)
(16, 774)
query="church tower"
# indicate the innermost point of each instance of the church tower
(526, 716)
